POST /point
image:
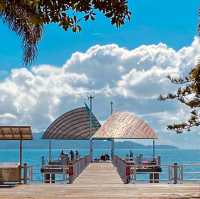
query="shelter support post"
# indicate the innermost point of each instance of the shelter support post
(153, 149)
(20, 160)
(50, 154)
(91, 150)
(20, 152)
(90, 130)
(111, 108)
(112, 148)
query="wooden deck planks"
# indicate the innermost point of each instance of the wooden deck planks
(99, 173)
(101, 181)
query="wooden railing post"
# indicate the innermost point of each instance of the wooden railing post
(175, 173)
(127, 174)
(25, 173)
(71, 173)
(181, 175)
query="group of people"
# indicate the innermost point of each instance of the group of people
(73, 155)
(130, 155)
(105, 157)
(137, 158)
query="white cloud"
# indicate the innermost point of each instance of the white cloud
(146, 83)
(8, 116)
(133, 79)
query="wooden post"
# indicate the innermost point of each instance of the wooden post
(153, 149)
(175, 173)
(71, 173)
(91, 150)
(47, 178)
(20, 160)
(112, 148)
(43, 161)
(50, 155)
(127, 173)
(90, 128)
(111, 108)
(25, 173)
(112, 140)
(20, 152)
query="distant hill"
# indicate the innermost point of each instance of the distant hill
(130, 144)
(38, 143)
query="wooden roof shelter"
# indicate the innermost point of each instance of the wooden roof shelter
(81, 124)
(15, 133)
(77, 124)
(125, 125)
(73, 125)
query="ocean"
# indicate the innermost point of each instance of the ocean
(168, 156)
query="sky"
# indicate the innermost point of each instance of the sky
(127, 65)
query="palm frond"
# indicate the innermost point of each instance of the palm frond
(18, 18)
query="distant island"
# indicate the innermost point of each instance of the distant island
(135, 145)
(38, 143)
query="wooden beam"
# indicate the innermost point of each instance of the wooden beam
(112, 148)
(91, 150)
(20, 160)
(50, 154)
(153, 149)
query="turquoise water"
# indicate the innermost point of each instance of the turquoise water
(168, 156)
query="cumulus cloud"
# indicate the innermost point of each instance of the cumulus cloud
(7, 118)
(132, 78)
(146, 83)
(34, 96)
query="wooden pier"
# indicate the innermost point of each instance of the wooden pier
(101, 181)
(99, 174)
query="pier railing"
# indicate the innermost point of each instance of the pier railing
(156, 173)
(130, 173)
(122, 168)
(190, 172)
(26, 173)
(49, 173)
(77, 167)
(67, 172)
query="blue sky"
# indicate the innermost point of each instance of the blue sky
(127, 65)
(173, 22)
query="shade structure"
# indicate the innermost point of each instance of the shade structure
(125, 125)
(15, 133)
(73, 125)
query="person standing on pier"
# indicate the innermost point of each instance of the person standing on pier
(71, 155)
